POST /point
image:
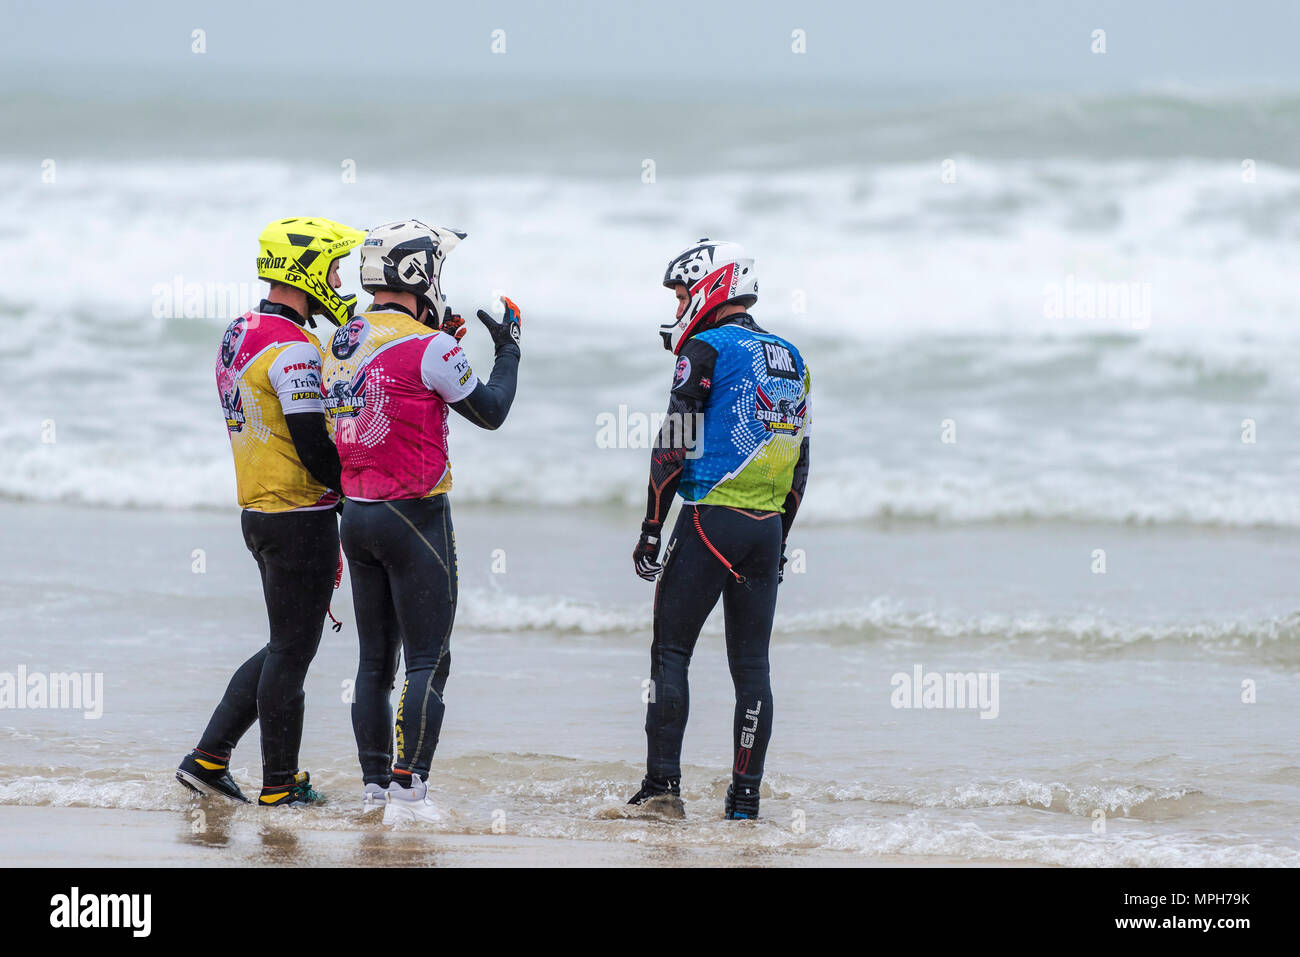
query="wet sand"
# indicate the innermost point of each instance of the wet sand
(117, 837)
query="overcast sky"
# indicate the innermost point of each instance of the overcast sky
(678, 49)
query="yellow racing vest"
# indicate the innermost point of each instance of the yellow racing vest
(268, 367)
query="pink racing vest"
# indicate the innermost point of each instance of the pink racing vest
(387, 381)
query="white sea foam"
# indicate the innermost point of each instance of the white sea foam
(921, 834)
(924, 303)
(564, 799)
(884, 618)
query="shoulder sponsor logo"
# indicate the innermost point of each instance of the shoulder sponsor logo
(683, 372)
(302, 366)
(448, 355)
(348, 338)
(780, 361)
(232, 340)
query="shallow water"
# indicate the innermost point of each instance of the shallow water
(1111, 700)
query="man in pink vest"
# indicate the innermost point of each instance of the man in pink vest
(389, 377)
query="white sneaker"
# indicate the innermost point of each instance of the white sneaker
(373, 798)
(411, 804)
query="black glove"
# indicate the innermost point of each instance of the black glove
(507, 330)
(780, 572)
(646, 555)
(453, 325)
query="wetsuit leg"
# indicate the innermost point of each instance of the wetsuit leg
(237, 709)
(414, 543)
(296, 554)
(689, 586)
(749, 607)
(381, 644)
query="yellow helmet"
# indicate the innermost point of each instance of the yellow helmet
(299, 252)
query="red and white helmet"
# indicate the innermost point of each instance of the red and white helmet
(714, 273)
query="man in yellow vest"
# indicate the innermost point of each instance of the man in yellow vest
(287, 471)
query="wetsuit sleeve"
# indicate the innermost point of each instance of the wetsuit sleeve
(311, 440)
(692, 383)
(795, 496)
(489, 403)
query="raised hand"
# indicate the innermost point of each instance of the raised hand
(507, 330)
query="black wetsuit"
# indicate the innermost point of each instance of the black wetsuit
(689, 586)
(402, 563)
(297, 557)
(715, 551)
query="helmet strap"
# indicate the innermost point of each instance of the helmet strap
(314, 308)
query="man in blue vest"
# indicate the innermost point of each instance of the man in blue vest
(735, 447)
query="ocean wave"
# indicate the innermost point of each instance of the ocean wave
(1084, 800)
(845, 486)
(914, 302)
(884, 249)
(884, 619)
(917, 834)
(564, 127)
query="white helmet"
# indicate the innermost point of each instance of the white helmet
(714, 273)
(408, 257)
